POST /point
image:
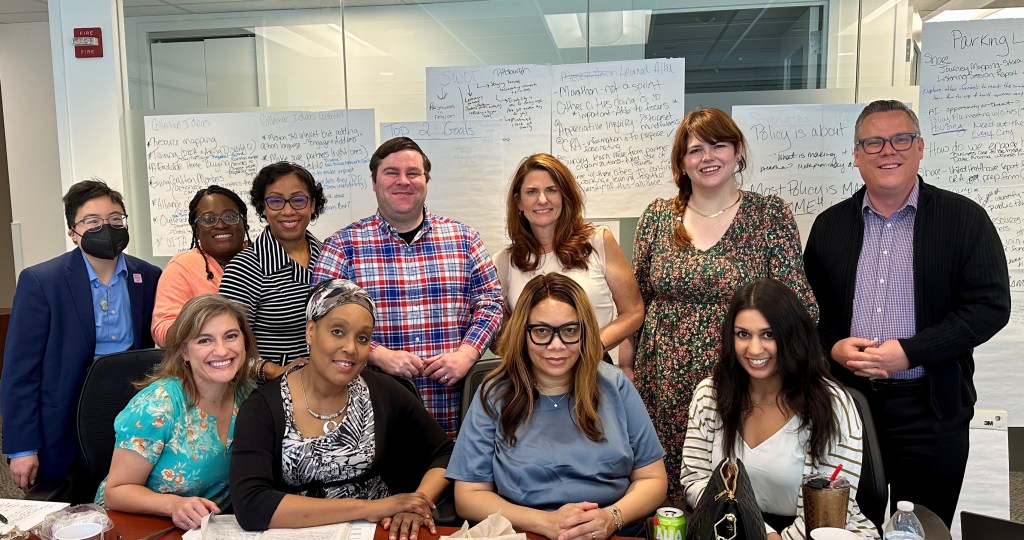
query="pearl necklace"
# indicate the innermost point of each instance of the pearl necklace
(329, 423)
(739, 197)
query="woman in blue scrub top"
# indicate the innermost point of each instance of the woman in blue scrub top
(557, 440)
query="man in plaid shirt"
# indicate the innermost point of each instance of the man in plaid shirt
(438, 297)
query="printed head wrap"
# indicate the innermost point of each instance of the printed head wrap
(337, 292)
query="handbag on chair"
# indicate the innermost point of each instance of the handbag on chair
(727, 510)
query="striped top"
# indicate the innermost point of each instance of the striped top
(274, 289)
(700, 452)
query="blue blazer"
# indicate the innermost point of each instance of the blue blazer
(50, 346)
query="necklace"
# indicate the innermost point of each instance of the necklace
(554, 403)
(739, 197)
(329, 423)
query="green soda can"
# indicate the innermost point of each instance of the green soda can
(669, 524)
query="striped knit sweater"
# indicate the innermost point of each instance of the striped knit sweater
(702, 433)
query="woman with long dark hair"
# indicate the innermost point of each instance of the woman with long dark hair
(772, 403)
(556, 439)
(691, 253)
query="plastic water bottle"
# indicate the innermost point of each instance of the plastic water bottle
(903, 525)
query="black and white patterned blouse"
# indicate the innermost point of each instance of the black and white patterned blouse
(345, 453)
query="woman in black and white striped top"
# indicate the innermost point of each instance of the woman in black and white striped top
(271, 277)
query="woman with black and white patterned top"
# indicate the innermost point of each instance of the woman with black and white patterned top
(331, 442)
(271, 277)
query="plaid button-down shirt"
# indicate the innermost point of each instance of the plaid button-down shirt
(434, 294)
(883, 304)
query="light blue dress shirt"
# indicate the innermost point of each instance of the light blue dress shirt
(110, 303)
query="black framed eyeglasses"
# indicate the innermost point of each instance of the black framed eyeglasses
(544, 334)
(95, 223)
(900, 142)
(297, 202)
(210, 220)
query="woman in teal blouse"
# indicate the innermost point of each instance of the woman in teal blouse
(173, 440)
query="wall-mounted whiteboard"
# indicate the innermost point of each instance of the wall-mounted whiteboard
(611, 122)
(185, 153)
(801, 153)
(972, 119)
(466, 180)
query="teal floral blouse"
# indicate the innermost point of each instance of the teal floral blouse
(178, 439)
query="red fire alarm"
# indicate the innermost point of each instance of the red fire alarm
(88, 43)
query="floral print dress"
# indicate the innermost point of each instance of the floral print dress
(686, 292)
(179, 439)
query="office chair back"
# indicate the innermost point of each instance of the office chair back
(472, 381)
(107, 391)
(873, 491)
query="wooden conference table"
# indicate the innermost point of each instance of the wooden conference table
(136, 526)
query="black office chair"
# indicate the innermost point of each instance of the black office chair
(107, 390)
(873, 491)
(473, 378)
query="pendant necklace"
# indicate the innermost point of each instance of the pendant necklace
(554, 403)
(739, 197)
(329, 423)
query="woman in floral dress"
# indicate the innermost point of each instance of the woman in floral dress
(691, 253)
(173, 440)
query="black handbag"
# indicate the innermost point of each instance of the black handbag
(727, 510)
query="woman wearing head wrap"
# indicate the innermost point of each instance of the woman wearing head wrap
(330, 442)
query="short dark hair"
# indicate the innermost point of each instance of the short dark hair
(391, 146)
(269, 174)
(885, 105)
(85, 191)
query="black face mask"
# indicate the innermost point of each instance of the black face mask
(106, 243)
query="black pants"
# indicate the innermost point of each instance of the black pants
(924, 456)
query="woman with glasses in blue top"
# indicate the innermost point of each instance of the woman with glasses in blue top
(556, 439)
(271, 277)
(217, 217)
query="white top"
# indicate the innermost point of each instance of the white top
(592, 280)
(775, 467)
(703, 437)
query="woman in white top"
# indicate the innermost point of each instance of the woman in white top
(772, 403)
(544, 218)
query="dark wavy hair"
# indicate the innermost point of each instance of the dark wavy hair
(512, 383)
(193, 207)
(85, 191)
(269, 174)
(711, 126)
(798, 358)
(572, 233)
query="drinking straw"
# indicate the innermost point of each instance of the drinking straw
(835, 473)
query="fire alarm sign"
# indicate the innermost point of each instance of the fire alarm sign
(88, 43)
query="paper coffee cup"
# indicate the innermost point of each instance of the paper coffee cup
(80, 531)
